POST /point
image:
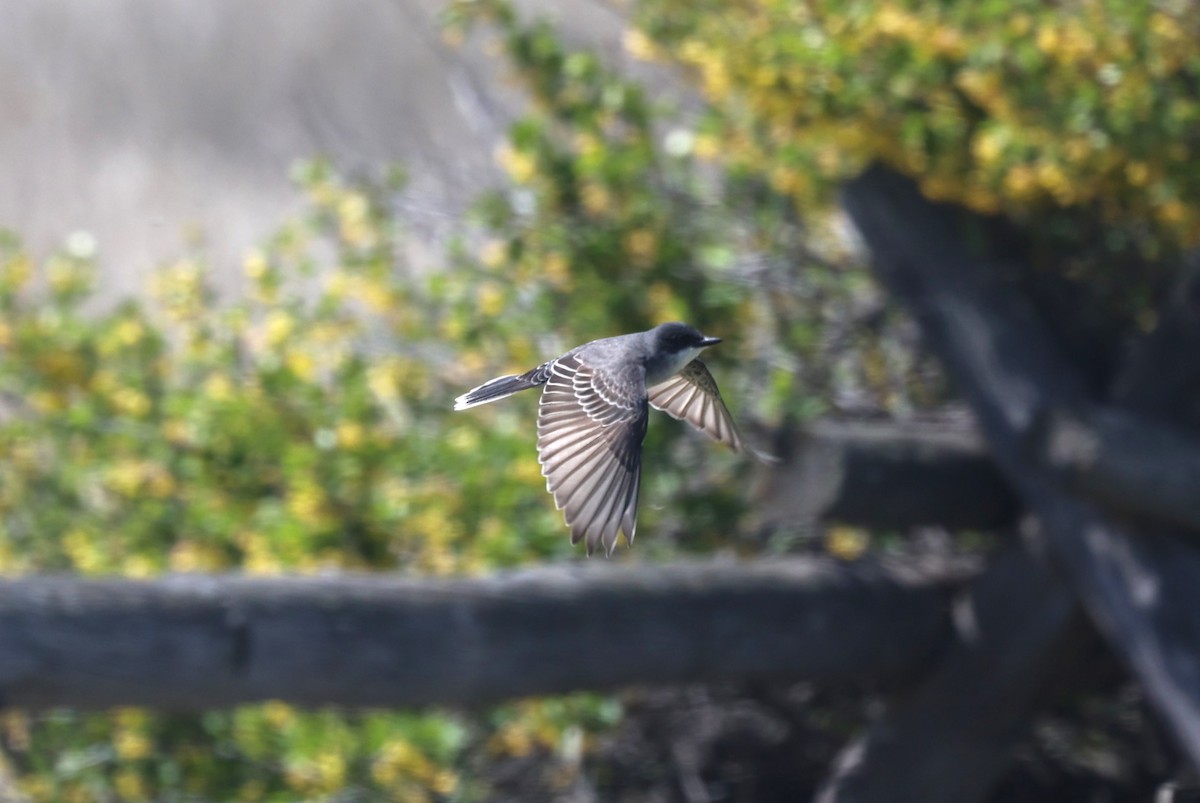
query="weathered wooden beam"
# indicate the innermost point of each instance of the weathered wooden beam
(197, 642)
(887, 475)
(948, 740)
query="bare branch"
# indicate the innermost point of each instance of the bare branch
(887, 474)
(951, 738)
(1125, 463)
(196, 642)
(1140, 592)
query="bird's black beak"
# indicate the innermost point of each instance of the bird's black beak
(710, 341)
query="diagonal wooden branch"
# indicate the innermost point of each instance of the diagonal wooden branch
(1141, 592)
(196, 642)
(949, 739)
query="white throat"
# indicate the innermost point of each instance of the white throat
(672, 365)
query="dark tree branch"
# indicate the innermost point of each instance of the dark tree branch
(195, 642)
(1141, 592)
(1124, 463)
(950, 739)
(1162, 377)
(890, 475)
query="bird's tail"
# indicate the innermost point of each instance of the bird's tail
(499, 388)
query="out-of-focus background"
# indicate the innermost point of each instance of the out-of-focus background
(164, 127)
(252, 251)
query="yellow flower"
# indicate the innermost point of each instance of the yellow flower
(177, 431)
(46, 402)
(301, 364)
(1172, 211)
(350, 434)
(948, 42)
(1052, 178)
(444, 782)
(338, 284)
(556, 270)
(1138, 173)
(383, 378)
(706, 147)
(596, 199)
(785, 180)
(131, 402)
(491, 299)
(81, 548)
(259, 557)
(520, 166)
(493, 253)
(1019, 24)
(1163, 27)
(514, 739)
(353, 207)
(279, 326)
(638, 45)
(375, 293)
(17, 271)
(218, 387)
(139, 566)
(64, 275)
(642, 246)
(132, 745)
(1020, 182)
(331, 770)
(306, 502)
(255, 265)
(129, 332)
(400, 759)
(61, 366)
(988, 145)
(252, 790)
(527, 471)
(130, 785)
(16, 729)
(190, 556)
(664, 303)
(694, 51)
(125, 476)
(1047, 39)
(279, 714)
(587, 144)
(847, 543)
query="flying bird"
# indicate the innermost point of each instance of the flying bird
(592, 419)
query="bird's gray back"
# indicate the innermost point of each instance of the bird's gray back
(610, 351)
(617, 367)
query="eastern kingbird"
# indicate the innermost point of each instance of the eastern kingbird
(592, 419)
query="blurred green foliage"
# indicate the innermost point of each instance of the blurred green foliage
(1032, 109)
(302, 423)
(304, 426)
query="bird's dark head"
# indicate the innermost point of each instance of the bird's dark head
(675, 345)
(675, 337)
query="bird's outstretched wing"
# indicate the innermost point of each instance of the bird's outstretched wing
(692, 395)
(590, 431)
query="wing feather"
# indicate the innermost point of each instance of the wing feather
(590, 430)
(692, 396)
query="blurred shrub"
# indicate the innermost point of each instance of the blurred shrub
(304, 426)
(1075, 118)
(302, 422)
